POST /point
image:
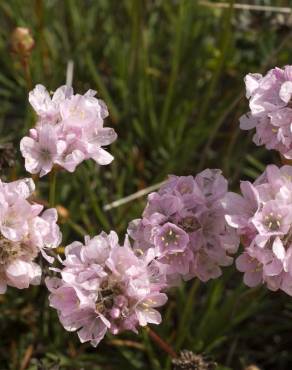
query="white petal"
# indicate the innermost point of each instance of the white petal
(102, 157)
(278, 249)
(286, 91)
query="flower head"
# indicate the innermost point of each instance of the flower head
(25, 231)
(188, 360)
(105, 286)
(263, 219)
(69, 130)
(270, 109)
(183, 223)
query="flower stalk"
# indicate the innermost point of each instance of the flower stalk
(53, 182)
(161, 342)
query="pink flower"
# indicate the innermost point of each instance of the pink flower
(42, 152)
(263, 218)
(24, 233)
(184, 224)
(47, 108)
(273, 219)
(105, 286)
(171, 239)
(270, 104)
(69, 130)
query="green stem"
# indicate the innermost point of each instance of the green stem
(225, 42)
(155, 364)
(27, 74)
(93, 70)
(186, 315)
(77, 228)
(175, 63)
(53, 181)
(94, 202)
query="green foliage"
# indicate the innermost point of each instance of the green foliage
(171, 74)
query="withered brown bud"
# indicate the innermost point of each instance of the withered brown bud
(62, 212)
(252, 367)
(22, 41)
(7, 155)
(188, 360)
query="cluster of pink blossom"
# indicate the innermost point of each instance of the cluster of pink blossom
(69, 130)
(189, 229)
(270, 109)
(185, 226)
(24, 232)
(105, 286)
(262, 216)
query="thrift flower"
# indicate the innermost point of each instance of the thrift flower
(106, 287)
(183, 223)
(24, 233)
(69, 130)
(270, 109)
(42, 150)
(262, 216)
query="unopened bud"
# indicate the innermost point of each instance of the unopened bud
(62, 212)
(22, 41)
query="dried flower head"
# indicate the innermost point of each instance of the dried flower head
(187, 360)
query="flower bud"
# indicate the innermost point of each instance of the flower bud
(63, 213)
(22, 41)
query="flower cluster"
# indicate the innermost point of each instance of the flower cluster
(185, 226)
(69, 130)
(270, 109)
(190, 228)
(24, 232)
(105, 286)
(262, 216)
